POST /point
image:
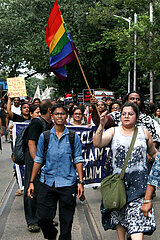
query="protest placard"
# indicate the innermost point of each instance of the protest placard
(16, 87)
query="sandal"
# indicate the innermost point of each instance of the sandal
(33, 228)
(19, 192)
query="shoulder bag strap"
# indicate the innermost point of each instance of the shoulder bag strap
(129, 152)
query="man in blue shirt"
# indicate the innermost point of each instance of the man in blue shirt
(58, 177)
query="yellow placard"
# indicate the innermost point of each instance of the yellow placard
(16, 87)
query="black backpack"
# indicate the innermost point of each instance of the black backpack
(20, 146)
(21, 143)
(46, 142)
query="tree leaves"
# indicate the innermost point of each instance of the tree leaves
(104, 43)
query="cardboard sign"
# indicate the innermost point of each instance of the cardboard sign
(16, 87)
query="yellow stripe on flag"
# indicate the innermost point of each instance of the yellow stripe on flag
(56, 37)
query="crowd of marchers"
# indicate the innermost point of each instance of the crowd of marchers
(54, 160)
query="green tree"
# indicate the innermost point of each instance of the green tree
(115, 36)
(23, 25)
(104, 43)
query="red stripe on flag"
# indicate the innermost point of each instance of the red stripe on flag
(54, 22)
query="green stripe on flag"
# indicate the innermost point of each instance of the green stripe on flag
(62, 42)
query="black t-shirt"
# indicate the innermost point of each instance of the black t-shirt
(18, 118)
(3, 117)
(36, 128)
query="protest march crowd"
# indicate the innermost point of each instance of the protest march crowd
(65, 145)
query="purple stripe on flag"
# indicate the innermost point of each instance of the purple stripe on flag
(60, 73)
(64, 61)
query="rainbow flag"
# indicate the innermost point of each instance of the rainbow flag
(58, 39)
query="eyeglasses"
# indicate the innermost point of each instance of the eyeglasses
(129, 114)
(115, 107)
(133, 98)
(59, 114)
(77, 114)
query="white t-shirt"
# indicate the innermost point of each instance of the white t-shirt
(16, 110)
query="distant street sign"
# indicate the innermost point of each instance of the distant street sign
(86, 95)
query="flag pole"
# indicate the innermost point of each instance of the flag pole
(85, 80)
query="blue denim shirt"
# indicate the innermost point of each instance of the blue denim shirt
(154, 176)
(59, 167)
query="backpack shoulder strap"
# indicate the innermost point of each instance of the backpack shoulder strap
(47, 138)
(71, 141)
(43, 122)
(46, 142)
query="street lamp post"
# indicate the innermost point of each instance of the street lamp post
(135, 53)
(129, 74)
(151, 72)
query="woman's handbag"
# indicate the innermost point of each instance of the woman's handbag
(113, 187)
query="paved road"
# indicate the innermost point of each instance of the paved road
(6, 167)
(94, 198)
(87, 219)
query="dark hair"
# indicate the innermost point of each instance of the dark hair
(157, 107)
(108, 98)
(103, 97)
(130, 104)
(32, 108)
(44, 105)
(36, 99)
(70, 102)
(58, 105)
(102, 102)
(125, 99)
(152, 107)
(114, 102)
(17, 97)
(77, 108)
(149, 108)
(23, 103)
(70, 110)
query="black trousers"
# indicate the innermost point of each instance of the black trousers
(30, 204)
(47, 206)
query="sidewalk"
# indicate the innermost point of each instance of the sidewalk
(94, 199)
(16, 228)
(6, 167)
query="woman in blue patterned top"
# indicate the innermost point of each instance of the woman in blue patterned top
(153, 181)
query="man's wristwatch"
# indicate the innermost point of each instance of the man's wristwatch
(81, 182)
